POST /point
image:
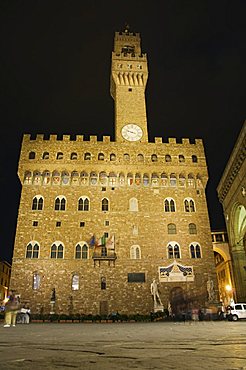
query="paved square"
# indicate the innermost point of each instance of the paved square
(160, 345)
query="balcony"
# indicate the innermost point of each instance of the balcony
(104, 254)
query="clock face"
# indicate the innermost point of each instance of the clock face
(132, 132)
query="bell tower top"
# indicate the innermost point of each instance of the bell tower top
(127, 42)
(129, 74)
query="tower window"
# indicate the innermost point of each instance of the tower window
(189, 205)
(56, 251)
(75, 282)
(45, 155)
(82, 224)
(81, 252)
(103, 283)
(130, 89)
(35, 223)
(32, 155)
(58, 223)
(194, 159)
(59, 155)
(168, 158)
(74, 156)
(87, 156)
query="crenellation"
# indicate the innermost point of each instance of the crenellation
(158, 140)
(93, 138)
(106, 139)
(172, 140)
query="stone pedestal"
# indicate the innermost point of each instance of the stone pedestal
(158, 307)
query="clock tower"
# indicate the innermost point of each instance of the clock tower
(129, 74)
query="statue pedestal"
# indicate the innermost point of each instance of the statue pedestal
(52, 308)
(158, 307)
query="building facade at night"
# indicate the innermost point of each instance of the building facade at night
(232, 195)
(99, 220)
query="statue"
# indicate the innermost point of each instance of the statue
(155, 293)
(53, 296)
(210, 290)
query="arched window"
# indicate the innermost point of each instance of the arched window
(105, 204)
(195, 250)
(32, 155)
(192, 229)
(45, 155)
(154, 158)
(36, 281)
(32, 250)
(173, 180)
(140, 158)
(173, 250)
(133, 204)
(73, 156)
(75, 282)
(82, 252)
(181, 158)
(135, 252)
(59, 155)
(189, 205)
(60, 203)
(56, 250)
(126, 157)
(169, 205)
(112, 157)
(37, 203)
(171, 229)
(83, 204)
(168, 158)
(194, 158)
(87, 156)
(101, 157)
(28, 177)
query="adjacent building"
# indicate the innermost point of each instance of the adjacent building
(100, 220)
(5, 272)
(232, 195)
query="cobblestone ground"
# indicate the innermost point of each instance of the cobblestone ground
(201, 345)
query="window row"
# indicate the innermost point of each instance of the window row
(84, 204)
(82, 251)
(112, 179)
(87, 156)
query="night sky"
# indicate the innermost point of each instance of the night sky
(55, 69)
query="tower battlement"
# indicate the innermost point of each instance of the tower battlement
(28, 138)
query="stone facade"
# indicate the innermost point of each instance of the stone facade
(232, 195)
(99, 220)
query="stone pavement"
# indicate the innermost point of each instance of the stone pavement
(125, 346)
